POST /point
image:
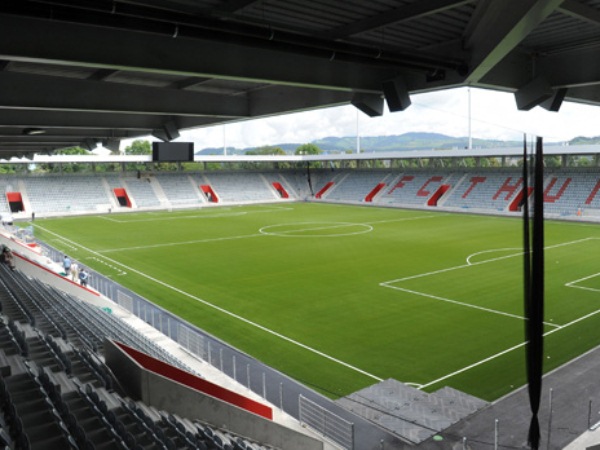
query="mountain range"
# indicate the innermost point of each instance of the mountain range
(402, 142)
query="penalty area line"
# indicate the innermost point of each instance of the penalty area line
(466, 305)
(222, 310)
(508, 350)
(573, 284)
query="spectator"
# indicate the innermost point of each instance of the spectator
(83, 277)
(67, 265)
(74, 271)
(7, 258)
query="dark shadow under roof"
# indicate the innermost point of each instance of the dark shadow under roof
(77, 73)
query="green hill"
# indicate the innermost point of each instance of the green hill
(402, 142)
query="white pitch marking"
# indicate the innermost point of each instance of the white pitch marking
(197, 216)
(173, 244)
(348, 224)
(490, 251)
(368, 228)
(224, 311)
(228, 238)
(468, 305)
(200, 241)
(272, 208)
(201, 215)
(508, 350)
(478, 363)
(585, 288)
(405, 219)
(462, 266)
(65, 244)
(390, 284)
(571, 284)
(102, 261)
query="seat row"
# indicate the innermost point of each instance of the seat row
(44, 406)
(61, 315)
(58, 393)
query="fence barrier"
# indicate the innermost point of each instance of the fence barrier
(326, 423)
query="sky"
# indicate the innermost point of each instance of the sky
(494, 115)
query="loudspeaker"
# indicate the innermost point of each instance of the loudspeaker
(89, 144)
(167, 133)
(554, 103)
(112, 144)
(396, 94)
(370, 104)
(533, 93)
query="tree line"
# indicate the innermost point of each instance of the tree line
(144, 147)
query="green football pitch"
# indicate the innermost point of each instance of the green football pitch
(341, 297)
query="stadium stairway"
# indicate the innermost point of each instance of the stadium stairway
(411, 413)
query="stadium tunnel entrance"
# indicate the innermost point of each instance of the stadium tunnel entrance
(15, 202)
(122, 197)
(209, 193)
(280, 189)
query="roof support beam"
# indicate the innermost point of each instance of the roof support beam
(16, 134)
(415, 10)
(107, 48)
(570, 69)
(281, 99)
(189, 82)
(40, 140)
(102, 74)
(24, 91)
(501, 27)
(580, 11)
(101, 122)
(232, 6)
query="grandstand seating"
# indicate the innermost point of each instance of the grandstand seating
(567, 192)
(180, 189)
(6, 185)
(56, 392)
(295, 183)
(141, 190)
(568, 195)
(490, 191)
(241, 188)
(412, 188)
(354, 186)
(71, 194)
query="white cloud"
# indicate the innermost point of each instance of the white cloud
(494, 115)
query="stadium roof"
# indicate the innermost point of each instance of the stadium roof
(77, 73)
